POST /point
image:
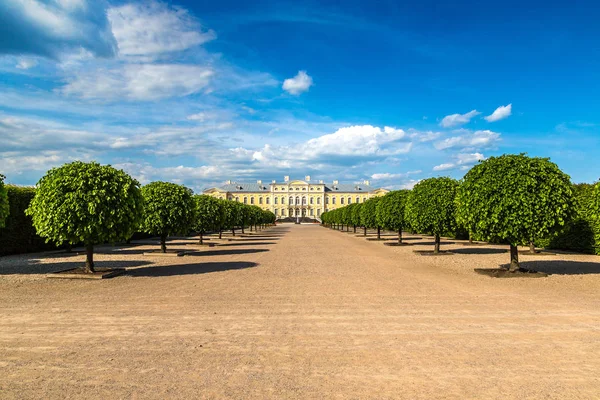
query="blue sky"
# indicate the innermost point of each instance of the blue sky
(201, 92)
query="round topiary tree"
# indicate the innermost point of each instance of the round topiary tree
(168, 209)
(430, 207)
(231, 217)
(356, 216)
(515, 198)
(368, 215)
(86, 203)
(390, 211)
(4, 206)
(209, 214)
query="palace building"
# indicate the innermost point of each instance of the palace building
(296, 198)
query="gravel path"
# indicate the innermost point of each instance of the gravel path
(302, 312)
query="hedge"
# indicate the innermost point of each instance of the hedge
(18, 235)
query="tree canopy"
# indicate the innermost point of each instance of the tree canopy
(209, 214)
(86, 203)
(4, 208)
(356, 214)
(168, 209)
(430, 207)
(515, 198)
(390, 210)
(368, 212)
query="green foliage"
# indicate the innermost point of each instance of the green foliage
(4, 208)
(18, 235)
(390, 210)
(209, 213)
(594, 215)
(231, 219)
(347, 214)
(368, 212)
(169, 209)
(582, 234)
(515, 198)
(356, 214)
(86, 203)
(430, 206)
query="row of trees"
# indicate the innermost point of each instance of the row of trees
(513, 199)
(93, 204)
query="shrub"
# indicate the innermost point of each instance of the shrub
(368, 215)
(209, 214)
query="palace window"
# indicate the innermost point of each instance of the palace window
(341, 200)
(349, 200)
(245, 200)
(304, 200)
(275, 200)
(326, 200)
(251, 200)
(268, 200)
(297, 200)
(318, 212)
(291, 200)
(312, 200)
(318, 200)
(333, 200)
(312, 212)
(237, 198)
(260, 200)
(357, 199)
(276, 212)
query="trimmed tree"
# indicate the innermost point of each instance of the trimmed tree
(368, 215)
(430, 207)
(356, 216)
(209, 214)
(595, 217)
(4, 207)
(86, 203)
(390, 211)
(515, 198)
(168, 209)
(230, 215)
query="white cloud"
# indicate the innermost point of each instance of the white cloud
(298, 84)
(146, 173)
(388, 176)
(443, 167)
(26, 63)
(141, 82)
(458, 119)
(55, 28)
(477, 139)
(150, 29)
(424, 136)
(500, 113)
(463, 160)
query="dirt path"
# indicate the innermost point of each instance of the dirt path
(303, 313)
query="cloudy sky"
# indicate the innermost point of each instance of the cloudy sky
(201, 92)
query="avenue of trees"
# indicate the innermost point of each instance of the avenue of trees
(90, 204)
(512, 199)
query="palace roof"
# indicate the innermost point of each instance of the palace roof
(247, 187)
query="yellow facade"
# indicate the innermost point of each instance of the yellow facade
(296, 198)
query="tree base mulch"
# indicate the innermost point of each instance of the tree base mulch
(505, 273)
(381, 240)
(432, 253)
(537, 253)
(169, 253)
(80, 273)
(397, 244)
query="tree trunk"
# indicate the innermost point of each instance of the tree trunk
(342, 227)
(532, 247)
(250, 227)
(201, 238)
(243, 229)
(347, 228)
(514, 259)
(378, 233)
(354, 228)
(163, 243)
(400, 236)
(436, 249)
(364, 231)
(470, 238)
(89, 258)
(220, 233)
(233, 231)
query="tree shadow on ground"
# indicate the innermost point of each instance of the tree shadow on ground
(188, 269)
(252, 243)
(479, 250)
(561, 267)
(442, 243)
(34, 266)
(224, 252)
